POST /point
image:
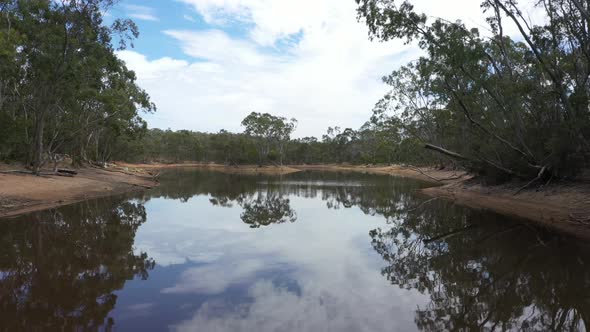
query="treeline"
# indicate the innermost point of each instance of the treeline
(62, 88)
(503, 107)
(266, 140)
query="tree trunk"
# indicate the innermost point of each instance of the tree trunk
(445, 151)
(38, 142)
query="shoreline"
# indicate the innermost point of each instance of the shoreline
(237, 169)
(401, 171)
(440, 177)
(564, 208)
(25, 193)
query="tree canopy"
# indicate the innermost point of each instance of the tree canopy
(62, 88)
(504, 107)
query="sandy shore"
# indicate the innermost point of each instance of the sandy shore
(23, 193)
(420, 173)
(238, 169)
(562, 207)
(425, 174)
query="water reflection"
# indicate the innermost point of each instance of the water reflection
(265, 200)
(303, 252)
(263, 209)
(482, 274)
(479, 270)
(59, 269)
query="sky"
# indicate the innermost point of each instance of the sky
(208, 63)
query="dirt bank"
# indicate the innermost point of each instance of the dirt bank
(420, 173)
(22, 193)
(423, 173)
(561, 207)
(238, 169)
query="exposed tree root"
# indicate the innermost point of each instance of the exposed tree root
(539, 177)
(416, 169)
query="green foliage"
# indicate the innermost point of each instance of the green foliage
(511, 108)
(373, 143)
(501, 107)
(269, 132)
(62, 89)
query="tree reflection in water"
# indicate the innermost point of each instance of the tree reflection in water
(264, 209)
(482, 274)
(58, 270)
(264, 201)
(481, 271)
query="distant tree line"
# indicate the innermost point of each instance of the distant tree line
(266, 140)
(62, 88)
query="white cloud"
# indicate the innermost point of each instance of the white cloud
(217, 47)
(306, 59)
(214, 279)
(335, 279)
(151, 70)
(315, 309)
(189, 18)
(141, 12)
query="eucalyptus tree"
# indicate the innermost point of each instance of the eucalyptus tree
(506, 108)
(269, 131)
(283, 130)
(69, 92)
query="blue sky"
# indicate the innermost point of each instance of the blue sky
(208, 63)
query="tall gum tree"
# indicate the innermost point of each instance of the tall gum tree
(67, 87)
(512, 108)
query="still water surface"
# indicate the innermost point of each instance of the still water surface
(308, 251)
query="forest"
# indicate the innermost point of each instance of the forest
(62, 88)
(500, 105)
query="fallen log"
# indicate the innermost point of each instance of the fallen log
(456, 155)
(59, 174)
(67, 171)
(16, 171)
(445, 151)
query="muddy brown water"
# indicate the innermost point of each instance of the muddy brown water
(309, 251)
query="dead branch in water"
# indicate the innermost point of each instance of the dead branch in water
(449, 234)
(422, 204)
